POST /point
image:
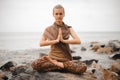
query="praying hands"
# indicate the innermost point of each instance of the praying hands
(60, 37)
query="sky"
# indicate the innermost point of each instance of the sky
(82, 15)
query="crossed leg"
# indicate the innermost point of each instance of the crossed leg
(69, 65)
(59, 64)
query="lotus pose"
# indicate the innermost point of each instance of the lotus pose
(57, 36)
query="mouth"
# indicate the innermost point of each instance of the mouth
(59, 19)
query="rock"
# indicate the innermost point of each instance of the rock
(93, 43)
(115, 56)
(115, 44)
(8, 65)
(42, 54)
(3, 76)
(89, 62)
(72, 51)
(76, 57)
(19, 69)
(83, 49)
(27, 73)
(115, 67)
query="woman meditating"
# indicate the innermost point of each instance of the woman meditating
(57, 36)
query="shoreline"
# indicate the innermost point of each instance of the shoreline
(27, 56)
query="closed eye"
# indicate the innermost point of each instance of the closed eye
(58, 14)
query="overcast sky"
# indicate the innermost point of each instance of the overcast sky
(82, 15)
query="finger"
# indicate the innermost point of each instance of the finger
(60, 31)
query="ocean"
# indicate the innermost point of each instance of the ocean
(30, 40)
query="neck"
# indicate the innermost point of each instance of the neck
(59, 23)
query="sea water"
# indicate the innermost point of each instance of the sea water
(30, 40)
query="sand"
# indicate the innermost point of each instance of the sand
(29, 55)
(23, 57)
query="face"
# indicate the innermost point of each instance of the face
(58, 15)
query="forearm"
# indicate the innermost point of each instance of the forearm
(46, 43)
(72, 41)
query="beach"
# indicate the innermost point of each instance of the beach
(27, 43)
(24, 49)
(29, 55)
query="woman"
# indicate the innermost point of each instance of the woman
(57, 36)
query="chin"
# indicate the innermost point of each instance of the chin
(59, 21)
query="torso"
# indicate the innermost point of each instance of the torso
(56, 52)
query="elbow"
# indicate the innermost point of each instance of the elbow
(79, 42)
(40, 44)
(76, 41)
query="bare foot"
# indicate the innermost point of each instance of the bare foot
(59, 64)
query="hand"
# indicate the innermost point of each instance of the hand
(60, 33)
(60, 37)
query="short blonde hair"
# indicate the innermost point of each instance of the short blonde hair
(58, 7)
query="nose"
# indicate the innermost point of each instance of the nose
(58, 15)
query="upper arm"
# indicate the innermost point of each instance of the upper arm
(42, 39)
(73, 34)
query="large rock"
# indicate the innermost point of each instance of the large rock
(27, 73)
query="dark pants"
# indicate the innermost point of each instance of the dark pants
(42, 65)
